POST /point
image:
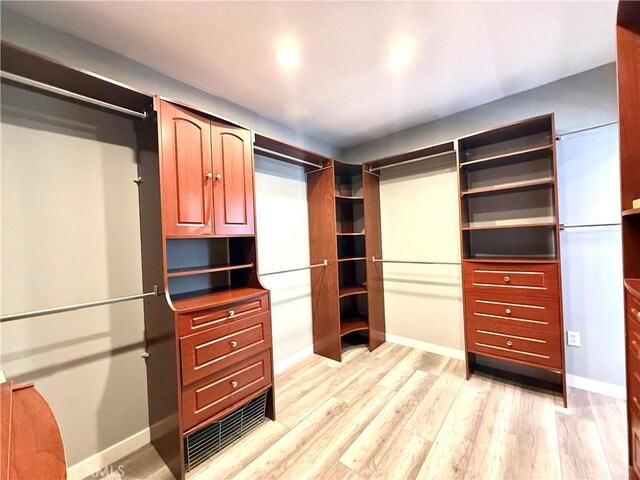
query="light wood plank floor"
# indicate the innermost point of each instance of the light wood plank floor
(399, 413)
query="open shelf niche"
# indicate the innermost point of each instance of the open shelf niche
(200, 266)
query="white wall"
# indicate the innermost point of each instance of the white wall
(589, 193)
(283, 243)
(420, 221)
(71, 234)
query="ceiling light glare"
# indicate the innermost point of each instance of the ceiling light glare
(400, 55)
(288, 55)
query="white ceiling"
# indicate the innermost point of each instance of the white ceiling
(466, 53)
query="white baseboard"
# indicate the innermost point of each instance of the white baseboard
(292, 359)
(109, 455)
(426, 346)
(596, 386)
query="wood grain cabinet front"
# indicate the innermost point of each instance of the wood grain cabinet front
(633, 375)
(634, 434)
(540, 313)
(215, 349)
(513, 279)
(524, 345)
(233, 181)
(210, 396)
(190, 323)
(186, 172)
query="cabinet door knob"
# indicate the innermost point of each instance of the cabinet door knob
(636, 313)
(218, 176)
(209, 175)
(508, 311)
(507, 279)
(232, 313)
(234, 384)
(233, 344)
(509, 343)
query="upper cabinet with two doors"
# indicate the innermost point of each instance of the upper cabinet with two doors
(207, 175)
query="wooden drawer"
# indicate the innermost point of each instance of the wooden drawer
(190, 323)
(530, 346)
(633, 380)
(212, 350)
(632, 307)
(540, 313)
(512, 279)
(224, 389)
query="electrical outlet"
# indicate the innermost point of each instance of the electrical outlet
(573, 338)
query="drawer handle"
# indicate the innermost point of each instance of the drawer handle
(509, 343)
(233, 344)
(507, 279)
(508, 311)
(209, 175)
(218, 176)
(234, 384)
(636, 313)
(635, 400)
(232, 313)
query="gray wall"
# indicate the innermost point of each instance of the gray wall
(71, 234)
(582, 100)
(37, 37)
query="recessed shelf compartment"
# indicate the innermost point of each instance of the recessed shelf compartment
(534, 206)
(532, 243)
(506, 187)
(349, 215)
(352, 290)
(355, 324)
(348, 181)
(350, 246)
(631, 211)
(353, 314)
(352, 278)
(197, 266)
(510, 140)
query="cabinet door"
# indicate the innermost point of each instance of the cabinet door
(187, 174)
(232, 180)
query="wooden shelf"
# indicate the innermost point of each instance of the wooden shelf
(350, 233)
(510, 260)
(510, 187)
(351, 259)
(503, 156)
(205, 299)
(516, 225)
(346, 197)
(352, 290)
(631, 211)
(181, 272)
(633, 286)
(354, 324)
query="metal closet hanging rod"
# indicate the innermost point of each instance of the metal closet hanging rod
(595, 127)
(589, 225)
(78, 306)
(324, 263)
(66, 93)
(413, 160)
(287, 157)
(417, 262)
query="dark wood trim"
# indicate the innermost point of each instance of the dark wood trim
(28, 64)
(410, 155)
(289, 150)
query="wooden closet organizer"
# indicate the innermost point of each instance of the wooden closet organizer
(208, 336)
(628, 56)
(510, 246)
(344, 228)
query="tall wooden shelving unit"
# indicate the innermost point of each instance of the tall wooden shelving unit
(344, 229)
(510, 245)
(628, 63)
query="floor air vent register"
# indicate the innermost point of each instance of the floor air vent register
(203, 444)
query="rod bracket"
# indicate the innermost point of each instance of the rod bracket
(325, 262)
(156, 290)
(137, 180)
(144, 355)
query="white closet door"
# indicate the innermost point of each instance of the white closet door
(589, 193)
